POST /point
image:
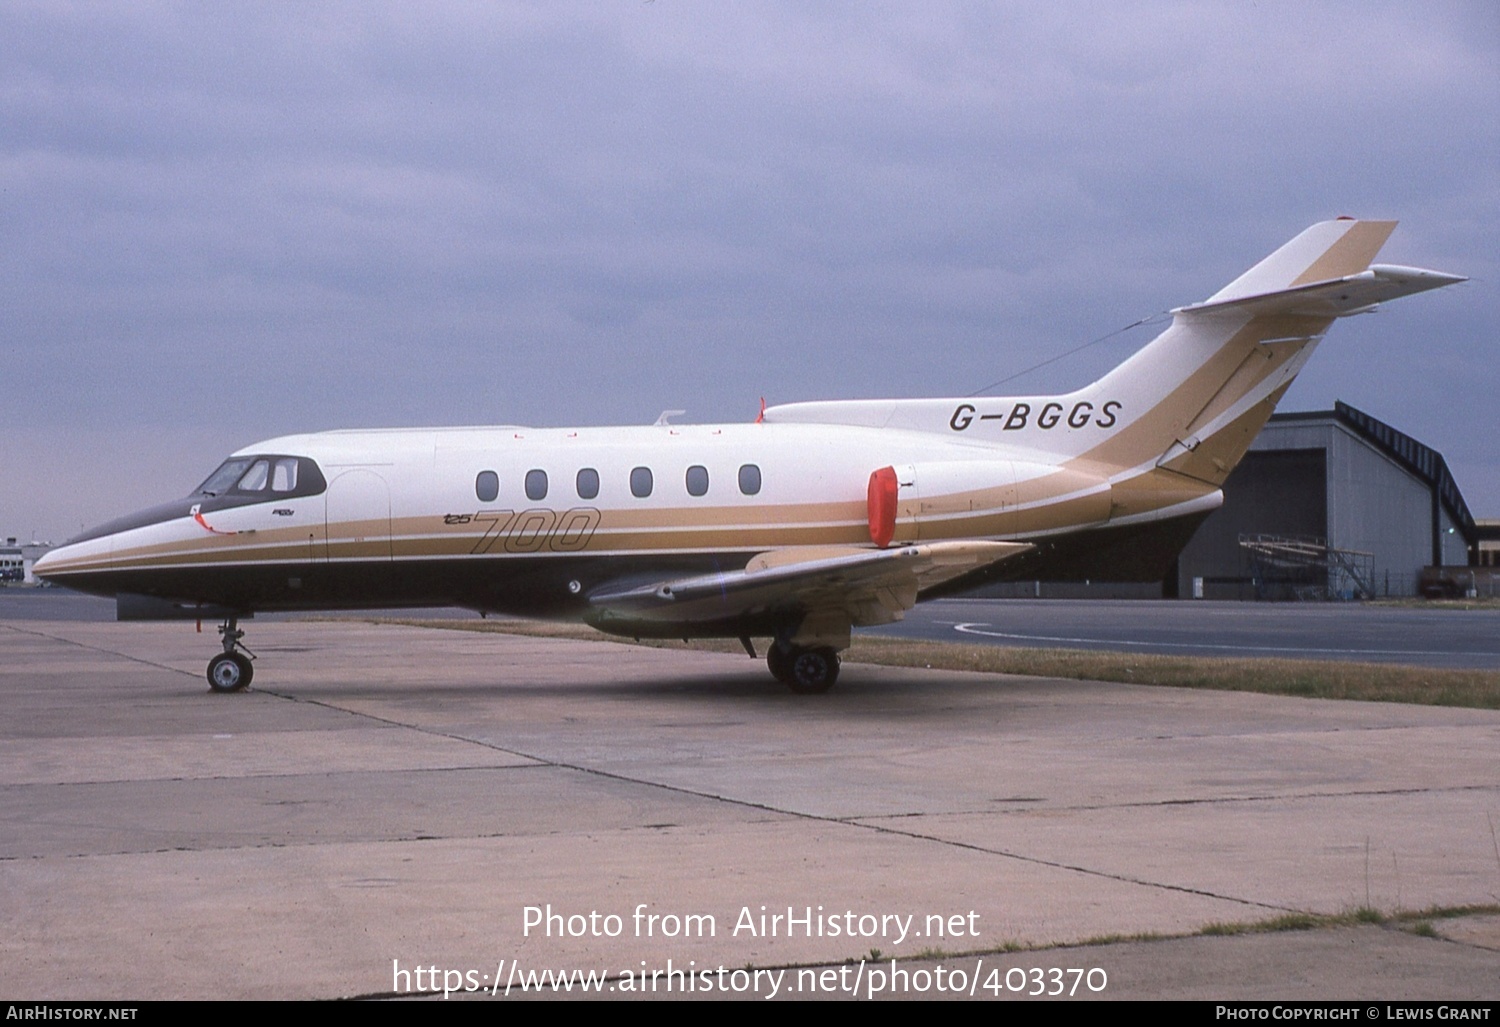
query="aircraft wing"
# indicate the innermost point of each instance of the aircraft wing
(859, 586)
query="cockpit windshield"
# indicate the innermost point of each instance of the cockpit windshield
(270, 476)
(224, 478)
(239, 481)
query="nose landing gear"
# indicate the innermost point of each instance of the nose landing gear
(231, 670)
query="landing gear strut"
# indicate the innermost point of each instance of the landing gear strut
(805, 671)
(231, 670)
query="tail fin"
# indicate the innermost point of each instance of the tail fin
(1183, 410)
(1203, 389)
(1328, 250)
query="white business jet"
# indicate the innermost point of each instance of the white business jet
(815, 519)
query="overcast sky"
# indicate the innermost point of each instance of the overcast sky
(225, 222)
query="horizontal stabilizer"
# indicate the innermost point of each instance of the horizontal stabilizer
(1351, 294)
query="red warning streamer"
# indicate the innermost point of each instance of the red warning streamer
(205, 525)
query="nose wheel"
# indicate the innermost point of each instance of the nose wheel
(231, 670)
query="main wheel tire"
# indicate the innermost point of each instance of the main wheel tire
(813, 671)
(229, 672)
(779, 661)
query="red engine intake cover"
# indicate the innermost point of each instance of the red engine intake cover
(882, 504)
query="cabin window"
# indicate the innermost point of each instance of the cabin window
(588, 483)
(640, 482)
(750, 479)
(254, 480)
(487, 486)
(536, 486)
(697, 480)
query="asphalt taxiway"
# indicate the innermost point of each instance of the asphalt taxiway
(1425, 636)
(387, 798)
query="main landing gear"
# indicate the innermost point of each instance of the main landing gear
(231, 670)
(803, 670)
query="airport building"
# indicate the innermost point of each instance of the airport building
(1488, 546)
(1329, 505)
(17, 560)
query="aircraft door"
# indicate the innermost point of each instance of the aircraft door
(359, 544)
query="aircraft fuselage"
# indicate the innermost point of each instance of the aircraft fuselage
(817, 518)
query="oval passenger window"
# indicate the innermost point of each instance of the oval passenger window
(536, 486)
(487, 486)
(749, 479)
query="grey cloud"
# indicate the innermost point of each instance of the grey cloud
(366, 214)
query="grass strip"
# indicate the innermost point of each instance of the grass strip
(1313, 679)
(1419, 921)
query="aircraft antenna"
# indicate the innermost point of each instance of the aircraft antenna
(1148, 319)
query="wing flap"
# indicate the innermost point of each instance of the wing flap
(870, 586)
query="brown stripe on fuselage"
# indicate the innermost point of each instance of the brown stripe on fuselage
(1079, 511)
(748, 537)
(490, 529)
(731, 516)
(1000, 510)
(244, 541)
(357, 541)
(362, 544)
(1153, 490)
(199, 554)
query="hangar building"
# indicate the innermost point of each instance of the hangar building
(1334, 504)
